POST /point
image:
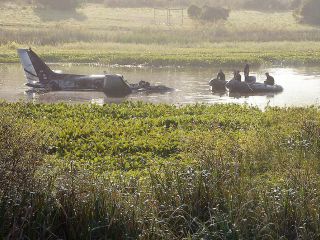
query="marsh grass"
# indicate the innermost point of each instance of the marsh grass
(20, 157)
(206, 54)
(235, 173)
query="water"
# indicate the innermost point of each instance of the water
(301, 86)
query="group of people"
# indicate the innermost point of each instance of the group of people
(246, 71)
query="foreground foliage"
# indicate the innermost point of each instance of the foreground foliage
(148, 171)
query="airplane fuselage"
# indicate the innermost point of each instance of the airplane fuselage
(40, 76)
(76, 82)
(110, 84)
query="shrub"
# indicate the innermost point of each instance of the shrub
(20, 159)
(20, 155)
(214, 13)
(194, 12)
(309, 12)
(208, 13)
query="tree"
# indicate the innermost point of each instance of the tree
(194, 12)
(214, 13)
(296, 4)
(309, 12)
(208, 13)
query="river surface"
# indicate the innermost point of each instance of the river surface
(301, 86)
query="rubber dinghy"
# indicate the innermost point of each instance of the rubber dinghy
(254, 87)
(220, 85)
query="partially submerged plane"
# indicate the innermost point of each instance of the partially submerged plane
(40, 76)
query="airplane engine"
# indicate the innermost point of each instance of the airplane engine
(115, 85)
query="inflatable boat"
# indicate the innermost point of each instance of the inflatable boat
(220, 85)
(253, 87)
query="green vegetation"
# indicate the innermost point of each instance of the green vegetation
(174, 55)
(148, 171)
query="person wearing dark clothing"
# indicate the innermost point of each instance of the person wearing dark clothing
(246, 70)
(238, 76)
(234, 74)
(221, 75)
(270, 80)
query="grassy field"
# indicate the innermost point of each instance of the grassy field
(121, 25)
(143, 171)
(133, 36)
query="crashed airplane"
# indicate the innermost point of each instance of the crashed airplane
(40, 76)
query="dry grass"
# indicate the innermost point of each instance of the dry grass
(137, 25)
(130, 36)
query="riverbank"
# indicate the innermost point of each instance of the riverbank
(134, 36)
(205, 54)
(147, 171)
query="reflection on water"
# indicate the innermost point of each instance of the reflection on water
(301, 86)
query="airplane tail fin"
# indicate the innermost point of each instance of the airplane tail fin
(35, 69)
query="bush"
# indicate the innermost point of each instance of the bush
(214, 13)
(208, 13)
(310, 12)
(194, 12)
(20, 159)
(60, 4)
(20, 155)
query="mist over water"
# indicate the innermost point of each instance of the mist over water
(301, 86)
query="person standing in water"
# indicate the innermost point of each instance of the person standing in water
(237, 76)
(270, 80)
(246, 71)
(221, 75)
(234, 75)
